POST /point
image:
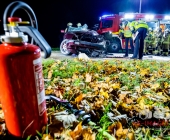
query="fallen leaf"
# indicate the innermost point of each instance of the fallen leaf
(105, 94)
(88, 78)
(50, 73)
(77, 131)
(131, 136)
(47, 137)
(79, 98)
(122, 96)
(116, 86)
(88, 134)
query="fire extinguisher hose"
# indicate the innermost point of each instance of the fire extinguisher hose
(20, 5)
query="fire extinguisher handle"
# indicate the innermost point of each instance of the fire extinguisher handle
(38, 38)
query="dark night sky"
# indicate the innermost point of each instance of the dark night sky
(53, 15)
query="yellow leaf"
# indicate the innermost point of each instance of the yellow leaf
(116, 86)
(152, 78)
(74, 76)
(47, 137)
(159, 93)
(50, 73)
(129, 100)
(49, 87)
(155, 86)
(79, 98)
(88, 77)
(122, 96)
(107, 79)
(58, 62)
(131, 136)
(166, 85)
(99, 67)
(77, 131)
(112, 128)
(55, 79)
(96, 89)
(62, 68)
(88, 134)
(54, 65)
(49, 91)
(144, 72)
(137, 67)
(105, 94)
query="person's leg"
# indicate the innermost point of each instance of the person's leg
(141, 48)
(136, 48)
(143, 35)
(126, 46)
(131, 44)
(137, 45)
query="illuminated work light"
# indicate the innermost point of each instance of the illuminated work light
(167, 17)
(129, 16)
(149, 17)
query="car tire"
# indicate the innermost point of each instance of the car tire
(114, 46)
(63, 47)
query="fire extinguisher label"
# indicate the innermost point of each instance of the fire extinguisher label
(39, 85)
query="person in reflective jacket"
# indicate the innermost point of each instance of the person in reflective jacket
(128, 37)
(141, 29)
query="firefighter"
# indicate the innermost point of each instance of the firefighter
(128, 37)
(141, 29)
(132, 27)
(148, 42)
(121, 31)
(157, 49)
(166, 42)
(69, 25)
(78, 25)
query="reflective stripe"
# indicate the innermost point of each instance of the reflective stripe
(115, 33)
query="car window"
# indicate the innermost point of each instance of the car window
(107, 23)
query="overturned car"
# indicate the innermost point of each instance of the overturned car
(82, 39)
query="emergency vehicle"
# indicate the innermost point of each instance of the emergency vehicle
(111, 23)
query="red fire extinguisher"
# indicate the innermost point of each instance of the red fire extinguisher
(21, 79)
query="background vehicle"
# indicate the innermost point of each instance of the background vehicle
(84, 40)
(112, 22)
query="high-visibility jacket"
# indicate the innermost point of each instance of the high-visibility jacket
(127, 31)
(120, 31)
(132, 26)
(141, 24)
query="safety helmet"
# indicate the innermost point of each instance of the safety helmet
(125, 22)
(150, 29)
(69, 24)
(78, 24)
(158, 29)
(120, 25)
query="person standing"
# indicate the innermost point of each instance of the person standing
(121, 31)
(69, 25)
(128, 37)
(79, 25)
(141, 29)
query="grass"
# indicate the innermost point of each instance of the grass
(55, 49)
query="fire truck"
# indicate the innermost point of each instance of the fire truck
(110, 23)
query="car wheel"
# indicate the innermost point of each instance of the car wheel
(63, 47)
(114, 46)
